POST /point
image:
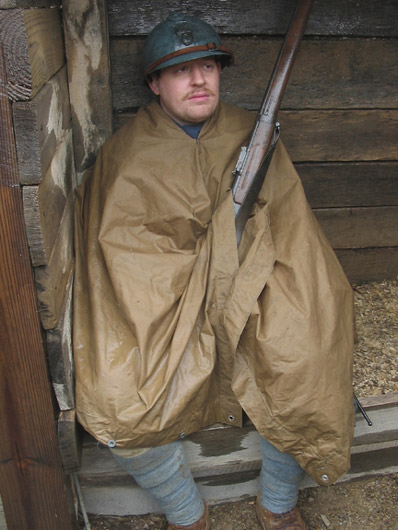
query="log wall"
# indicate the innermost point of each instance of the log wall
(339, 115)
(37, 88)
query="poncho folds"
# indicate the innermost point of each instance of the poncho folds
(175, 329)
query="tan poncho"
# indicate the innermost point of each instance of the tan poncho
(175, 330)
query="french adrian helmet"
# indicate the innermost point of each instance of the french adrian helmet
(182, 38)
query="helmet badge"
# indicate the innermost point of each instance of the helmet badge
(184, 34)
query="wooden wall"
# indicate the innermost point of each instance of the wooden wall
(37, 264)
(32, 38)
(339, 115)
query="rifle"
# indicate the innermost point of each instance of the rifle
(255, 159)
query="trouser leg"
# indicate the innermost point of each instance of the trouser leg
(164, 473)
(280, 479)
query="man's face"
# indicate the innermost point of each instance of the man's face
(189, 92)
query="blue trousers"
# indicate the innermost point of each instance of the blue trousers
(164, 473)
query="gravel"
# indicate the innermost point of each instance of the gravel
(376, 350)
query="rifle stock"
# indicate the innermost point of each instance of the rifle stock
(254, 159)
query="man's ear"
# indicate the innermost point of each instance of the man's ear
(154, 84)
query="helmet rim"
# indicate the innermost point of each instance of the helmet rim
(190, 54)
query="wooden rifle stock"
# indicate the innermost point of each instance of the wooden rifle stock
(254, 159)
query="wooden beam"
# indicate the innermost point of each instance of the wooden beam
(33, 49)
(41, 125)
(357, 18)
(350, 228)
(87, 51)
(369, 264)
(33, 487)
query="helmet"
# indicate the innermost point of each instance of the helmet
(182, 38)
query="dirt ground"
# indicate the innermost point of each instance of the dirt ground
(370, 504)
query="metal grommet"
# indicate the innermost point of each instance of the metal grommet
(182, 435)
(325, 478)
(111, 444)
(231, 417)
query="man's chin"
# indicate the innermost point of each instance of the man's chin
(200, 115)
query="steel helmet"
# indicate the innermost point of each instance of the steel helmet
(182, 38)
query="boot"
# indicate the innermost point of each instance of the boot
(202, 524)
(290, 520)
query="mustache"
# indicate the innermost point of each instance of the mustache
(201, 92)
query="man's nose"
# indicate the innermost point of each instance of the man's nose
(197, 77)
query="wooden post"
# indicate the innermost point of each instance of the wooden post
(87, 53)
(33, 487)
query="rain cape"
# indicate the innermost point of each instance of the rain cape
(175, 328)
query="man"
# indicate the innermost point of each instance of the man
(175, 327)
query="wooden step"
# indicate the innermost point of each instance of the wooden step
(225, 462)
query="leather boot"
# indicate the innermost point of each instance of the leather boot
(202, 524)
(290, 520)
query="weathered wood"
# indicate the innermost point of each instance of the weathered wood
(123, 498)
(44, 204)
(86, 44)
(370, 264)
(59, 354)
(340, 135)
(70, 440)
(327, 74)
(9, 4)
(32, 486)
(352, 228)
(384, 400)
(360, 18)
(40, 126)
(332, 136)
(51, 279)
(226, 462)
(33, 48)
(350, 184)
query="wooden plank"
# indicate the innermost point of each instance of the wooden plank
(225, 463)
(9, 4)
(40, 126)
(86, 44)
(51, 279)
(327, 74)
(370, 264)
(360, 18)
(127, 498)
(340, 135)
(384, 400)
(33, 47)
(360, 227)
(44, 204)
(59, 354)
(350, 184)
(32, 485)
(70, 440)
(328, 136)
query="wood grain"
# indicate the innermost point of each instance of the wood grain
(33, 49)
(33, 489)
(343, 18)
